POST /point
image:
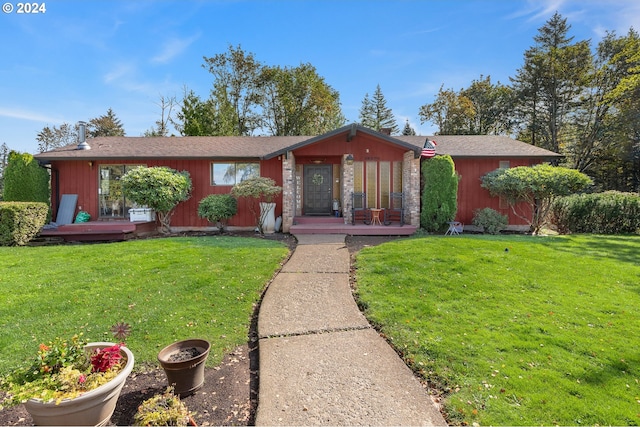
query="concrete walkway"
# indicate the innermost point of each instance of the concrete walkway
(321, 363)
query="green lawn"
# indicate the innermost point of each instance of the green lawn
(516, 330)
(167, 289)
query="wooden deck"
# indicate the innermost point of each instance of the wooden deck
(333, 225)
(100, 231)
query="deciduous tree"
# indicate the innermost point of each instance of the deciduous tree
(53, 137)
(297, 101)
(160, 188)
(237, 83)
(451, 112)
(531, 190)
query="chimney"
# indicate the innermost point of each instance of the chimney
(385, 131)
(82, 137)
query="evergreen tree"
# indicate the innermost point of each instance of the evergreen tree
(375, 114)
(25, 180)
(408, 130)
(551, 82)
(105, 125)
(440, 192)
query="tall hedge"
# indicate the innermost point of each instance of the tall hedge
(439, 194)
(25, 180)
(21, 221)
(611, 212)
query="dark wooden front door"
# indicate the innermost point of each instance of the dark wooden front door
(317, 189)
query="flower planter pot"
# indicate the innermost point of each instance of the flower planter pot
(93, 408)
(183, 363)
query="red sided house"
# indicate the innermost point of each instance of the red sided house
(318, 174)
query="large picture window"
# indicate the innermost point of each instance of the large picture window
(233, 173)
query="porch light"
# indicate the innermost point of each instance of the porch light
(349, 159)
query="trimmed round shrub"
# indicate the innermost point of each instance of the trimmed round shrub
(490, 220)
(217, 209)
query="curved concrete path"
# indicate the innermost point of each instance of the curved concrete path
(321, 363)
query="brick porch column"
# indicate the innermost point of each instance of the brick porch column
(288, 191)
(347, 189)
(411, 188)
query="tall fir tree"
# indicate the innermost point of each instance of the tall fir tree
(408, 130)
(375, 114)
(551, 82)
(105, 125)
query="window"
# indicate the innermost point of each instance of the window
(112, 201)
(233, 173)
(377, 179)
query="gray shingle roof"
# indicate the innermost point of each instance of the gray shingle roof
(265, 147)
(480, 146)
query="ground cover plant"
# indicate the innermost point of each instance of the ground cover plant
(515, 330)
(166, 289)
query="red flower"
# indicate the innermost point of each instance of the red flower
(106, 358)
(82, 379)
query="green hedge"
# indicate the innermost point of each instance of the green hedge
(439, 194)
(611, 212)
(21, 221)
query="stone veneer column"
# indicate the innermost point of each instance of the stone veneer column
(347, 189)
(288, 191)
(411, 188)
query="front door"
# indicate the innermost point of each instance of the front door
(317, 189)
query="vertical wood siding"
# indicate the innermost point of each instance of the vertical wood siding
(471, 196)
(78, 177)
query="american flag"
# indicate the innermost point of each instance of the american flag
(429, 149)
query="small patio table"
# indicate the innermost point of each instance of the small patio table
(375, 216)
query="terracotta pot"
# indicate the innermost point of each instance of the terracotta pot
(93, 408)
(187, 375)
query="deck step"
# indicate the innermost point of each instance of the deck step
(318, 220)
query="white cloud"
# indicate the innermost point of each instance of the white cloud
(33, 116)
(120, 72)
(173, 48)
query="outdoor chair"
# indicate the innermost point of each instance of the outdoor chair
(455, 227)
(359, 210)
(395, 212)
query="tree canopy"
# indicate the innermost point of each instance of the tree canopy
(159, 188)
(249, 97)
(534, 186)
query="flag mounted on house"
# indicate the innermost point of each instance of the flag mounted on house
(429, 149)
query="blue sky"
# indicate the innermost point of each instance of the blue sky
(80, 58)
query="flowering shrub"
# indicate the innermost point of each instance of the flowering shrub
(62, 369)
